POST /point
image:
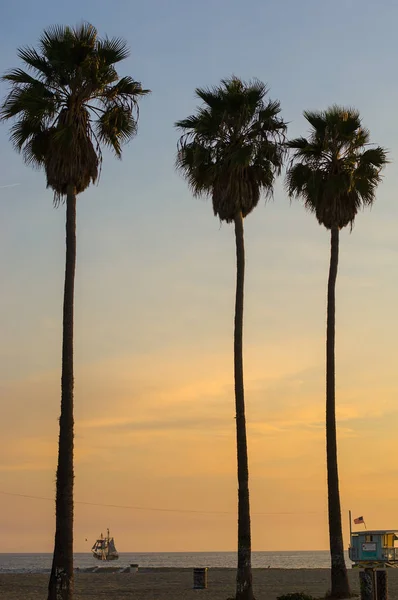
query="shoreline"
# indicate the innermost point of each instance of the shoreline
(121, 570)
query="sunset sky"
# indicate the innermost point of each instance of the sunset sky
(154, 301)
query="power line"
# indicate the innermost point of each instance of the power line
(159, 509)
(178, 510)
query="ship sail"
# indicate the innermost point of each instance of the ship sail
(111, 546)
(104, 548)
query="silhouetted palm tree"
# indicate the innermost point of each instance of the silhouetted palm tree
(231, 150)
(70, 103)
(335, 174)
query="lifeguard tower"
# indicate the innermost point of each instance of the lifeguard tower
(374, 549)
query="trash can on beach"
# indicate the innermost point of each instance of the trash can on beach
(200, 578)
(133, 568)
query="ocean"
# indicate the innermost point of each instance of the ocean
(41, 563)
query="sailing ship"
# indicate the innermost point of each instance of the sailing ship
(104, 548)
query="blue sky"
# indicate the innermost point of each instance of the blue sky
(155, 277)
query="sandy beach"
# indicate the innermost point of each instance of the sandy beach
(170, 584)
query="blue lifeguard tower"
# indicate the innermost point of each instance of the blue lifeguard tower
(374, 549)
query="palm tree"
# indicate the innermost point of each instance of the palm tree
(231, 150)
(335, 173)
(70, 104)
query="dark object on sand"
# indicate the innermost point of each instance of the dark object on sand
(200, 578)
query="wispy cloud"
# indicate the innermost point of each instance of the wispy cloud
(9, 185)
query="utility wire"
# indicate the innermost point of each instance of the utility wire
(159, 509)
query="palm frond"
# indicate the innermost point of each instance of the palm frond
(57, 44)
(297, 179)
(374, 156)
(127, 86)
(194, 160)
(86, 34)
(126, 92)
(112, 51)
(188, 123)
(35, 149)
(19, 76)
(115, 127)
(255, 94)
(34, 99)
(54, 36)
(316, 119)
(23, 130)
(270, 113)
(36, 62)
(210, 96)
(299, 143)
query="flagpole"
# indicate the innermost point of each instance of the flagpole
(349, 516)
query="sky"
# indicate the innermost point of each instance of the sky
(154, 403)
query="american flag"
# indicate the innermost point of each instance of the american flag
(359, 520)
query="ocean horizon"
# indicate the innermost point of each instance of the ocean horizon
(41, 562)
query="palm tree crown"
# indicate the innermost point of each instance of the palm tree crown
(73, 103)
(332, 170)
(231, 148)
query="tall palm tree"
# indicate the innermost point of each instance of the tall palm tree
(231, 150)
(335, 173)
(69, 103)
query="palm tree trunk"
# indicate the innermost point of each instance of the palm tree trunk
(244, 588)
(340, 586)
(61, 578)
